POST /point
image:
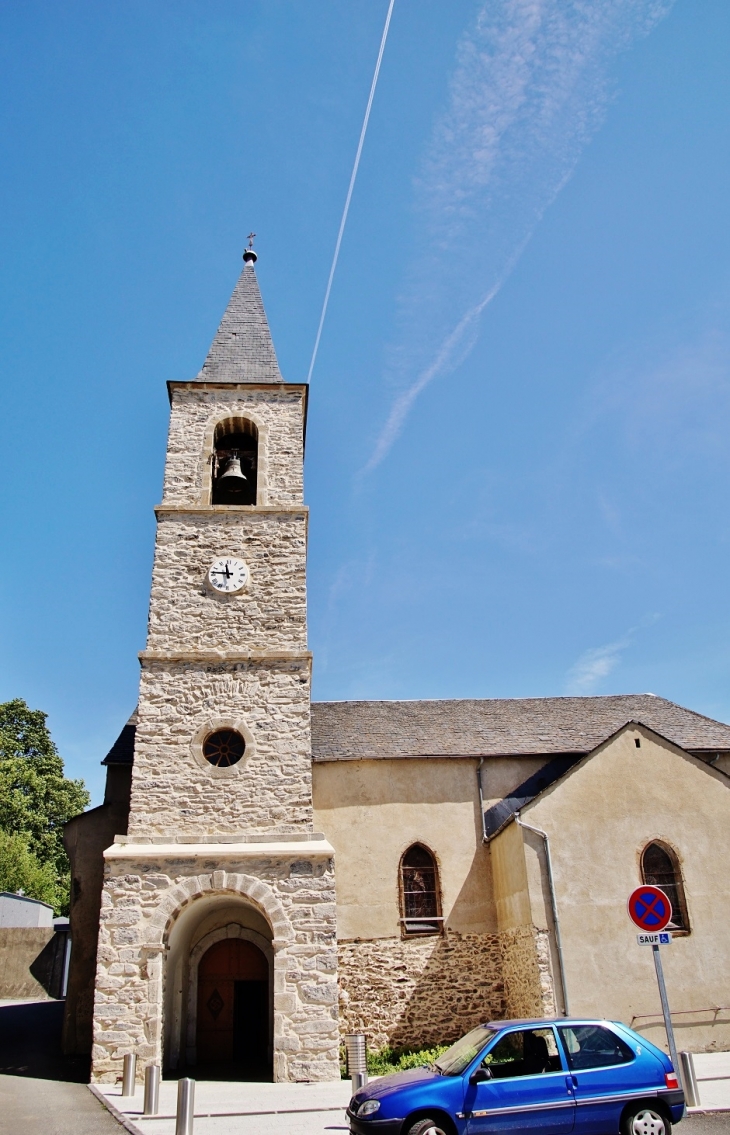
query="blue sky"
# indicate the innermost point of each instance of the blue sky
(517, 455)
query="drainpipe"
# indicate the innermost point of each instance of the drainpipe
(553, 904)
(481, 800)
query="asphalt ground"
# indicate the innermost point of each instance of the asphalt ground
(43, 1092)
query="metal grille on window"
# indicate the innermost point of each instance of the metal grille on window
(224, 748)
(659, 868)
(419, 889)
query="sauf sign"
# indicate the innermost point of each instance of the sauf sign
(650, 910)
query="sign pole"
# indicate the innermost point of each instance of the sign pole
(651, 910)
(665, 1008)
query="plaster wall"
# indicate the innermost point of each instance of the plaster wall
(599, 818)
(501, 775)
(372, 811)
(527, 960)
(410, 991)
(509, 871)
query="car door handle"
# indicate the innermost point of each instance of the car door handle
(571, 1084)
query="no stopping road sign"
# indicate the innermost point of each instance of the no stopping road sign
(649, 908)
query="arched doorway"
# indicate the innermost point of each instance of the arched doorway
(233, 1011)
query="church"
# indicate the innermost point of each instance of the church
(267, 874)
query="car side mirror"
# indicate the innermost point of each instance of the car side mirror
(480, 1076)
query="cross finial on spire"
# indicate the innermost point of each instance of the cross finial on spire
(249, 256)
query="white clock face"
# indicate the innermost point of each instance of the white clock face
(228, 574)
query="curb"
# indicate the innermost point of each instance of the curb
(125, 1121)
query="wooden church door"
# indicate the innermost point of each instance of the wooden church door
(233, 1008)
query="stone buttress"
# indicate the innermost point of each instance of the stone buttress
(223, 850)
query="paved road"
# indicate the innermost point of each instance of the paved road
(51, 1107)
(44, 1093)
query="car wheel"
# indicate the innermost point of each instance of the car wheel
(645, 1120)
(426, 1127)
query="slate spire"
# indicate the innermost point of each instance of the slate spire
(242, 350)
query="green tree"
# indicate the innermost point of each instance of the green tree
(20, 870)
(36, 799)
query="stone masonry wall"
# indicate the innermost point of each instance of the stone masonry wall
(269, 614)
(528, 980)
(276, 410)
(140, 902)
(421, 991)
(177, 795)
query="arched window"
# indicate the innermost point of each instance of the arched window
(419, 889)
(235, 462)
(660, 868)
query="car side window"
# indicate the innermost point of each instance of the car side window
(524, 1052)
(592, 1046)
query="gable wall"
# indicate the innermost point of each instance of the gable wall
(599, 818)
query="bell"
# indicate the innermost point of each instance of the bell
(233, 469)
(232, 482)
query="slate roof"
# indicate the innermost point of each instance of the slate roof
(353, 730)
(242, 350)
(496, 817)
(122, 751)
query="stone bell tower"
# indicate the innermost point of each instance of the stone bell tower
(217, 944)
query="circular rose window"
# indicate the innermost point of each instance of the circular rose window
(224, 748)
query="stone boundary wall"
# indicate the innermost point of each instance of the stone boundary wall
(528, 980)
(419, 991)
(30, 960)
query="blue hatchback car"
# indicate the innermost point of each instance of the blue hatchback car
(547, 1076)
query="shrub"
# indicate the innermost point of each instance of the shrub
(387, 1060)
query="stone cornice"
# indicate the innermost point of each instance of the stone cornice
(225, 656)
(232, 509)
(204, 384)
(284, 849)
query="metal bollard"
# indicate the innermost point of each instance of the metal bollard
(129, 1074)
(689, 1079)
(357, 1060)
(151, 1089)
(185, 1107)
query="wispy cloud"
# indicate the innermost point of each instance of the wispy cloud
(530, 88)
(597, 663)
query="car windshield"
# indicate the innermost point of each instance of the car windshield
(460, 1055)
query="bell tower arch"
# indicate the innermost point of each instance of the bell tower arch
(222, 764)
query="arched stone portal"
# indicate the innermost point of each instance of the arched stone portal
(219, 1006)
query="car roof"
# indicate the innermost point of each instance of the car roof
(543, 1021)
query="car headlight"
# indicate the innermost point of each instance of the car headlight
(368, 1108)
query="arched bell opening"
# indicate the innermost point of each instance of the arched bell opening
(235, 462)
(219, 1005)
